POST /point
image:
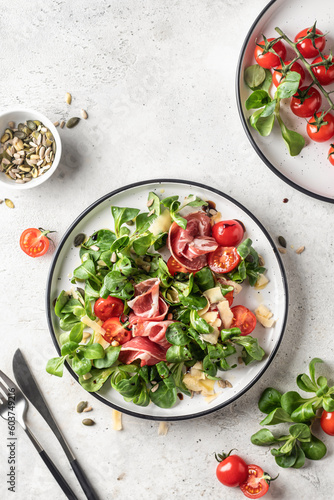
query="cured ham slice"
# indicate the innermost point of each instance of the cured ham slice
(163, 309)
(154, 330)
(144, 349)
(189, 246)
(146, 302)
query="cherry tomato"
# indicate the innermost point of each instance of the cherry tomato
(34, 242)
(232, 470)
(331, 154)
(109, 307)
(267, 59)
(229, 297)
(306, 47)
(228, 233)
(307, 105)
(175, 267)
(326, 131)
(327, 422)
(223, 260)
(278, 77)
(244, 319)
(323, 75)
(115, 331)
(256, 485)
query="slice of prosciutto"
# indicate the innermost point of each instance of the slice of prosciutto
(163, 309)
(146, 301)
(189, 246)
(150, 353)
(154, 330)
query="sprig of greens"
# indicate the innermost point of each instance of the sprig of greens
(293, 408)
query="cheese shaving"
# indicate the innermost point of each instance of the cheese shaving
(214, 295)
(264, 316)
(163, 429)
(197, 381)
(208, 399)
(226, 314)
(117, 420)
(261, 282)
(161, 224)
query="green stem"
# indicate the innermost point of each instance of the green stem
(307, 66)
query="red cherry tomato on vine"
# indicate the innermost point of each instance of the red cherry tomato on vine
(325, 132)
(278, 77)
(331, 154)
(244, 319)
(175, 267)
(269, 60)
(223, 260)
(257, 483)
(34, 242)
(306, 47)
(115, 331)
(228, 233)
(232, 470)
(108, 308)
(323, 75)
(309, 106)
(327, 422)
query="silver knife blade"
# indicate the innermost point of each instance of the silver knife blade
(25, 380)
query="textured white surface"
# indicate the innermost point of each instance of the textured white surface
(157, 79)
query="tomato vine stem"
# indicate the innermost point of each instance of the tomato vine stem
(307, 66)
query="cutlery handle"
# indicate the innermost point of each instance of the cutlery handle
(83, 480)
(51, 466)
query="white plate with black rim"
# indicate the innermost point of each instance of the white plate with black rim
(275, 295)
(310, 172)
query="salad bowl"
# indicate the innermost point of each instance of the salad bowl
(274, 295)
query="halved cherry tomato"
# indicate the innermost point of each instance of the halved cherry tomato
(331, 154)
(232, 470)
(34, 242)
(175, 267)
(223, 260)
(278, 77)
(229, 297)
(326, 131)
(108, 308)
(268, 59)
(257, 483)
(323, 75)
(228, 233)
(115, 331)
(327, 422)
(306, 47)
(306, 105)
(244, 319)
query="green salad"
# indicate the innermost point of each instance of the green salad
(150, 307)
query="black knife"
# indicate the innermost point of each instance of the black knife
(29, 387)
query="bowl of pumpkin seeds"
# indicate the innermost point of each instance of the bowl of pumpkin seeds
(30, 148)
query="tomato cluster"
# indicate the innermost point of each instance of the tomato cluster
(109, 311)
(307, 102)
(233, 471)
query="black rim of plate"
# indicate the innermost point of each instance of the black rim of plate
(244, 120)
(49, 299)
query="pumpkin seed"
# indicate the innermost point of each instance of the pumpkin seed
(20, 135)
(11, 124)
(72, 122)
(31, 124)
(88, 421)
(79, 239)
(9, 132)
(68, 98)
(20, 126)
(5, 138)
(81, 406)
(9, 203)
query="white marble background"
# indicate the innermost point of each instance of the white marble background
(157, 79)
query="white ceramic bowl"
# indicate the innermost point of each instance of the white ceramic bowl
(20, 116)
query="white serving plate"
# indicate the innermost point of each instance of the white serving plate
(275, 295)
(310, 172)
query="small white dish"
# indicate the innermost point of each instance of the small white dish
(21, 116)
